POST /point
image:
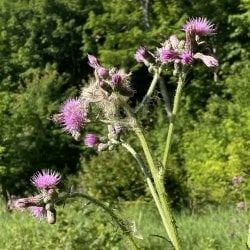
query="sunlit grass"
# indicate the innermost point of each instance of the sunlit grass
(85, 227)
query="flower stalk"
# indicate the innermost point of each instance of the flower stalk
(181, 82)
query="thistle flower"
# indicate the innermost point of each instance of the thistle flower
(38, 212)
(186, 57)
(166, 55)
(116, 79)
(72, 116)
(209, 61)
(198, 26)
(91, 140)
(45, 179)
(102, 72)
(140, 54)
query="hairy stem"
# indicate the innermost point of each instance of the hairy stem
(148, 180)
(180, 85)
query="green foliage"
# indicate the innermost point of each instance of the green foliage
(28, 140)
(216, 149)
(113, 175)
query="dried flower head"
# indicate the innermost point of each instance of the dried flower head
(198, 26)
(45, 179)
(93, 61)
(209, 61)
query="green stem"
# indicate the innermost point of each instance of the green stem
(148, 180)
(171, 227)
(150, 90)
(119, 221)
(180, 85)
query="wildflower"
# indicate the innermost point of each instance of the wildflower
(45, 179)
(140, 54)
(38, 212)
(72, 116)
(198, 26)
(241, 205)
(167, 55)
(209, 61)
(116, 79)
(102, 72)
(91, 140)
(186, 57)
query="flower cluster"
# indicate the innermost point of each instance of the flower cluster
(42, 205)
(182, 52)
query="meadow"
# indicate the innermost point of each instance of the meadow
(83, 226)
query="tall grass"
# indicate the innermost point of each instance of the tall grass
(82, 226)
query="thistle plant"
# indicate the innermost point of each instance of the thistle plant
(105, 100)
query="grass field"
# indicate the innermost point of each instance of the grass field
(82, 226)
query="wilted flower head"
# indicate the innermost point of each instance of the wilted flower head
(22, 203)
(186, 57)
(45, 179)
(91, 140)
(38, 212)
(198, 26)
(93, 61)
(72, 116)
(140, 54)
(209, 61)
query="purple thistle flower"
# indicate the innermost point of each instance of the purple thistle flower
(45, 179)
(167, 55)
(209, 61)
(102, 72)
(116, 79)
(91, 140)
(72, 116)
(198, 26)
(140, 54)
(38, 212)
(186, 57)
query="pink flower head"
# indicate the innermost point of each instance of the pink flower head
(209, 61)
(38, 212)
(186, 57)
(91, 140)
(45, 179)
(167, 55)
(93, 61)
(140, 54)
(102, 72)
(198, 26)
(72, 115)
(116, 79)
